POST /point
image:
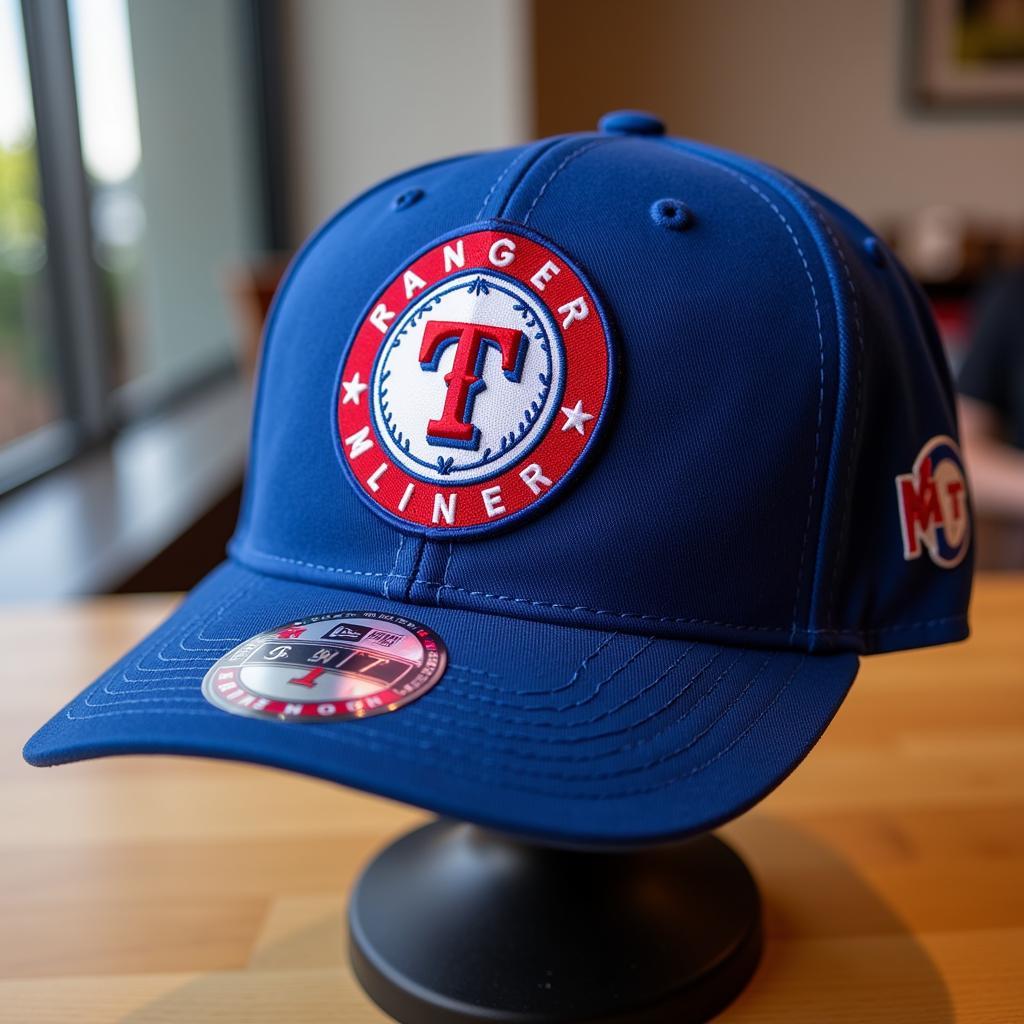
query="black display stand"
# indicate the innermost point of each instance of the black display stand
(452, 924)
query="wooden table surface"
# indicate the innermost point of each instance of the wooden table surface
(169, 889)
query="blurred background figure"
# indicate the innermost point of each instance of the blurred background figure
(159, 163)
(991, 385)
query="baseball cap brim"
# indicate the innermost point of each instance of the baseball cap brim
(566, 734)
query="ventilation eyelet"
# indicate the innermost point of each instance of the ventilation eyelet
(406, 199)
(672, 214)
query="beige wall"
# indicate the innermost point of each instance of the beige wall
(812, 85)
(380, 85)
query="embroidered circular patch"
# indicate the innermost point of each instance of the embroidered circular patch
(339, 666)
(475, 384)
(935, 514)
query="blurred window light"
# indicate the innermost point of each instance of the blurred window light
(112, 153)
(28, 391)
(164, 118)
(133, 189)
(105, 79)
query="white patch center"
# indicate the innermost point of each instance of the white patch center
(511, 413)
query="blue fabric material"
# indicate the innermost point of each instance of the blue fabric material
(764, 357)
(566, 734)
(631, 122)
(738, 512)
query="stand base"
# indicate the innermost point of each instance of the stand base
(452, 924)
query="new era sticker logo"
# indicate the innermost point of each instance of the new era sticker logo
(340, 666)
(346, 632)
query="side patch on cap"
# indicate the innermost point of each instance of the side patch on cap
(343, 665)
(475, 384)
(934, 509)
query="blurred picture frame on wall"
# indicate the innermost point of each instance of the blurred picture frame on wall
(966, 55)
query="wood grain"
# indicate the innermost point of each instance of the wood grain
(169, 889)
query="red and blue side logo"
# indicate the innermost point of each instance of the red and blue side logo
(475, 383)
(935, 513)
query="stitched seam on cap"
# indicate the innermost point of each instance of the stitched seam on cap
(558, 170)
(501, 177)
(394, 567)
(415, 569)
(858, 398)
(550, 691)
(370, 742)
(412, 579)
(639, 616)
(795, 629)
(444, 572)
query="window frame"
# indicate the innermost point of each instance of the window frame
(92, 409)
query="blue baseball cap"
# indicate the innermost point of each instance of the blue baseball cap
(582, 475)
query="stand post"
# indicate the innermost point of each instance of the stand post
(452, 924)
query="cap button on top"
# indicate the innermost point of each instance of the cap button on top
(631, 122)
